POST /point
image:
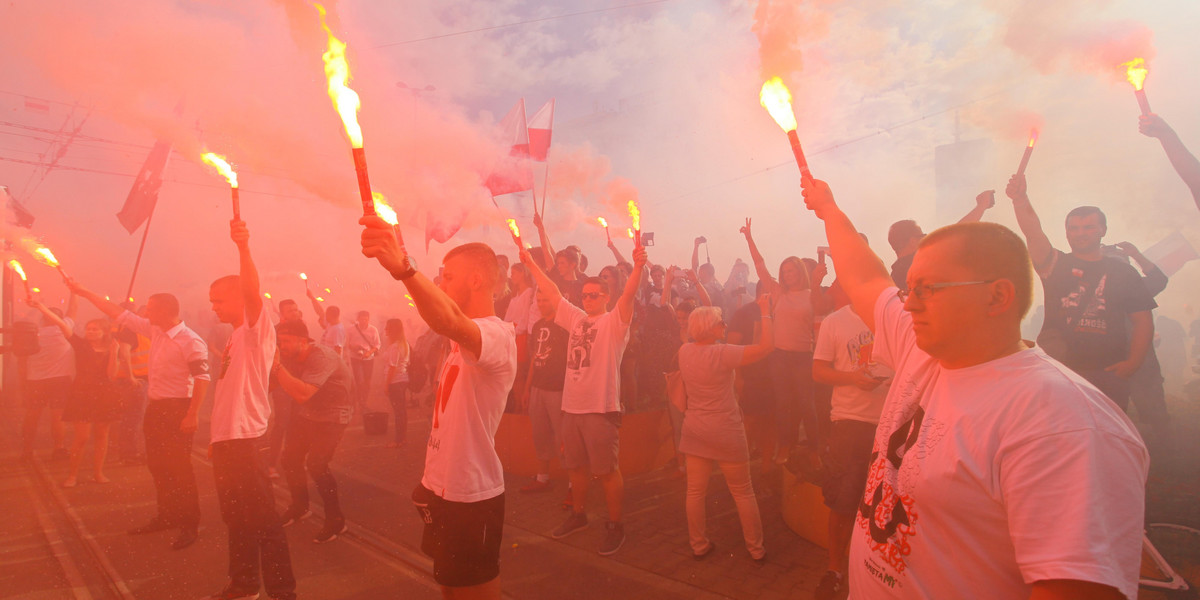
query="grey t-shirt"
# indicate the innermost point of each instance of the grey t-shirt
(326, 370)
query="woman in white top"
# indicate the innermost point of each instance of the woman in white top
(791, 362)
(712, 423)
(396, 358)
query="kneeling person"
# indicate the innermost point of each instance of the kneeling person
(320, 383)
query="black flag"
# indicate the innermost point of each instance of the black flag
(144, 195)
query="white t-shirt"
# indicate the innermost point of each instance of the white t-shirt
(522, 311)
(54, 357)
(241, 407)
(461, 464)
(1021, 471)
(594, 350)
(397, 356)
(334, 336)
(846, 342)
(360, 341)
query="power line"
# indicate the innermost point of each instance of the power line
(519, 23)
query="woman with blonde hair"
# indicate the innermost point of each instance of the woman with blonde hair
(712, 424)
(396, 356)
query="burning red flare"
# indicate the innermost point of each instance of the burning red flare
(346, 102)
(219, 163)
(777, 99)
(635, 214)
(1135, 72)
(1033, 136)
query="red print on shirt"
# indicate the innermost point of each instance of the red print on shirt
(443, 394)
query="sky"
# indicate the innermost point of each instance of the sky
(655, 100)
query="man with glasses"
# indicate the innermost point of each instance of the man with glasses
(1089, 297)
(994, 467)
(591, 402)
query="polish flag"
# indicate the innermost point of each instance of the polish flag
(513, 173)
(1171, 254)
(539, 132)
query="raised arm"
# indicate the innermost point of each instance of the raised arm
(668, 286)
(766, 341)
(1035, 238)
(760, 265)
(547, 249)
(380, 241)
(51, 317)
(696, 254)
(1152, 276)
(544, 283)
(1182, 160)
(862, 275)
(317, 308)
(109, 309)
(616, 253)
(705, 299)
(72, 306)
(985, 200)
(247, 272)
(625, 302)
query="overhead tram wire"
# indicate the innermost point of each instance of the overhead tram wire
(519, 23)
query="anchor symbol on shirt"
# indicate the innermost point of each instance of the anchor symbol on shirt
(902, 438)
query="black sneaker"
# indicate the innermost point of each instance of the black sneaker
(330, 532)
(831, 585)
(230, 593)
(293, 516)
(575, 522)
(614, 536)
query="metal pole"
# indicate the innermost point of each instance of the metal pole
(137, 263)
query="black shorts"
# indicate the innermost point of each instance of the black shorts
(847, 464)
(47, 393)
(463, 538)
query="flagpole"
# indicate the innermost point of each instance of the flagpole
(545, 187)
(138, 262)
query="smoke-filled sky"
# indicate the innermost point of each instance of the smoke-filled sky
(655, 100)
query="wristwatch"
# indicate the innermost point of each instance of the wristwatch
(410, 268)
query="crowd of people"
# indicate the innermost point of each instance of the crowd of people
(953, 455)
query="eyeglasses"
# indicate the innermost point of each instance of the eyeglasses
(923, 292)
(594, 295)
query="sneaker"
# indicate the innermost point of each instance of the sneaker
(707, 551)
(536, 486)
(229, 593)
(330, 532)
(295, 516)
(574, 523)
(614, 536)
(831, 584)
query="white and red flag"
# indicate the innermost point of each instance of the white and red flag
(1171, 254)
(513, 173)
(540, 127)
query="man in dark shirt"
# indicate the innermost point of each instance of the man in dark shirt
(1089, 299)
(544, 386)
(321, 387)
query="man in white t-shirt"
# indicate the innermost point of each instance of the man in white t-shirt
(843, 359)
(333, 332)
(48, 382)
(997, 472)
(461, 494)
(241, 409)
(591, 401)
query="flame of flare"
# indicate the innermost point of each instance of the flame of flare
(603, 222)
(16, 267)
(1033, 136)
(36, 290)
(219, 163)
(1135, 72)
(635, 215)
(304, 276)
(776, 98)
(267, 295)
(337, 71)
(512, 225)
(630, 232)
(528, 246)
(384, 210)
(328, 291)
(320, 299)
(45, 255)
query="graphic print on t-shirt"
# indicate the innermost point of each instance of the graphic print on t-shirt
(445, 386)
(888, 514)
(1091, 317)
(579, 353)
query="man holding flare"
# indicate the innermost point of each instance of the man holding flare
(994, 467)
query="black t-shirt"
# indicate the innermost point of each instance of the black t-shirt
(571, 290)
(1087, 307)
(743, 322)
(548, 355)
(900, 271)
